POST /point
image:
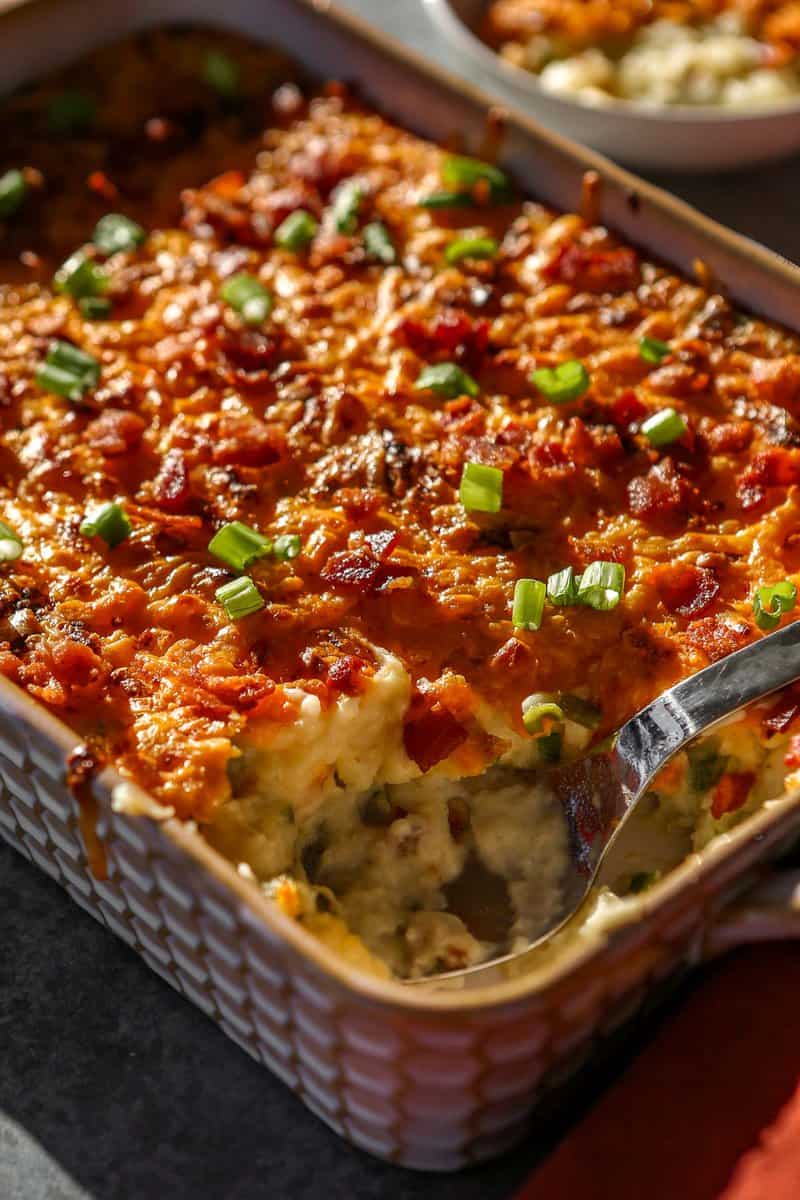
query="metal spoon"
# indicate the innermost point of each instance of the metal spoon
(599, 792)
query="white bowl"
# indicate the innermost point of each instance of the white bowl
(675, 137)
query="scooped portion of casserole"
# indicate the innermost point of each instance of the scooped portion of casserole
(344, 490)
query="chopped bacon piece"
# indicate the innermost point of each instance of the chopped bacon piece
(346, 674)
(627, 410)
(511, 654)
(453, 334)
(115, 431)
(592, 446)
(783, 713)
(249, 349)
(431, 732)
(730, 437)
(244, 441)
(353, 570)
(99, 183)
(717, 636)
(171, 484)
(731, 793)
(661, 493)
(685, 589)
(778, 467)
(383, 543)
(593, 270)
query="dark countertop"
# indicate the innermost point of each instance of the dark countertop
(113, 1087)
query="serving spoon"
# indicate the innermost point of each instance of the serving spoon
(598, 793)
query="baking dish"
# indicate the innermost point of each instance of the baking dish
(428, 1078)
(677, 137)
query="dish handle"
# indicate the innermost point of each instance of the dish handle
(768, 912)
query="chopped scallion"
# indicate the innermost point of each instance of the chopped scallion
(79, 276)
(12, 192)
(540, 713)
(528, 607)
(115, 232)
(461, 172)
(222, 73)
(447, 200)
(549, 746)
(771, 601)
(240, 598)
(110, 522)
(10, 544)
(562, 587)
(481, 488)
(238, 545)
(478, 247)
(664, 427)
(346, 205)
(68, 371)
(568, 381)
(448, 379)
(378, 243)
(249, 298)
(601, 585)
(286, 547)
(296, 230)
(94, 308)
(653, 350)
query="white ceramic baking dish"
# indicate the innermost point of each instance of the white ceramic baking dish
(671, 138)
(431, 1078)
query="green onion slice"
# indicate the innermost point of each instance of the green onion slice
(10, 544)
(653, 350)
(247, 297)
(240, 598)
(664, 427)
(94, 308)
(771, 601)
(481, 488)
(448, 379)
(296, 230)
(12, 192)
(286, 547)
(478, 247)
(378, 243)
(110, 522)
(68, 371)
(528, 607)
(115, 232)
(601, 585)
(563, 383)
(562, 587)
(71, 112)
(461, 172)
(346, 205)
(79, 276)
(538, 709)
(222, 73)
(549, 746)
(238, 545)
(447, 200)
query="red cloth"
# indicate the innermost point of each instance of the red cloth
(710, 1110)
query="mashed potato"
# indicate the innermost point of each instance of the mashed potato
(665, 63)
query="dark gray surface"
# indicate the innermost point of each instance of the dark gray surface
(112, 1087)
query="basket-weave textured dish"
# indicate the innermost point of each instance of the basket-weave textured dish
(427, 1078)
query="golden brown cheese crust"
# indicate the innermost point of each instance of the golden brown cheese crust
(312, 425)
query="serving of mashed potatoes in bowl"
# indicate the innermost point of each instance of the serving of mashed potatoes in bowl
(697, 84)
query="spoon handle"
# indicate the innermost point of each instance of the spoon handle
(652, 736)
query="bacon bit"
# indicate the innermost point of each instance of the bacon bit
(627, 410)
(365, 570)
(792, 756)
(595, 446)
(359, 502)
(77, 667)
(115, 431)
(242, 692)
(382, 544)
(451, 335)
(346, 674)
(686, 589)
(777, 380)
(278, 204)
(245, 441)
(717, 637)
(661, 493)
(549, 454)
(464, 416)
(249, 349)
(769, 468)
(784, 712)
(99, 183)
(511, 654)
(731, 793)
(171, 484)
(431, 732)
(730, 437)
(593, 270)
(227, 185)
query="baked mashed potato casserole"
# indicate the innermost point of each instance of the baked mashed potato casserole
(343, 490)
(735, 53)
